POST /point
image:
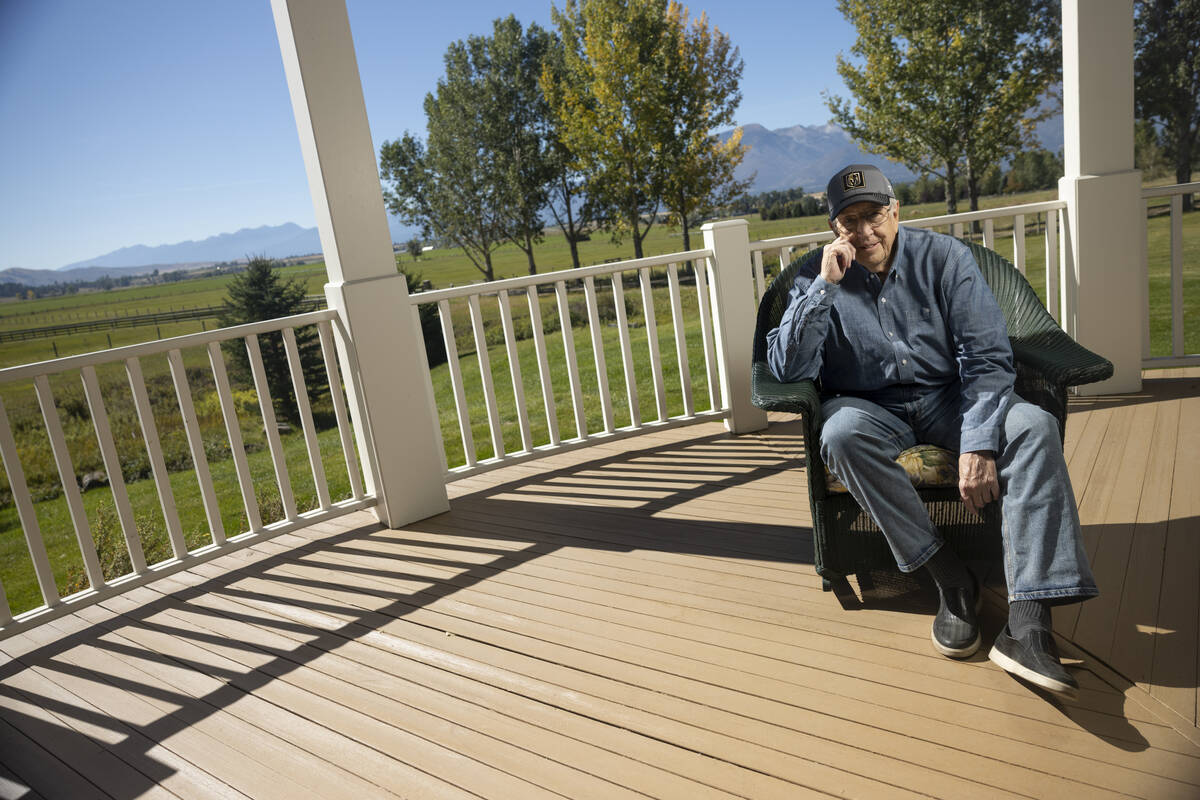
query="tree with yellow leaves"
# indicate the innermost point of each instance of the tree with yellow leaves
(636, 99)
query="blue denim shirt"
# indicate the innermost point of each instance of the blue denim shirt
(933, 320)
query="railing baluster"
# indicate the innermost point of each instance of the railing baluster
(306, 421)
(329, 354)
(1177, 348)
(1052, 266)
(989, 233)
(631, 392)
(112, 466)
(606, 411)
(191, 426)
(266, 407)
(539, 346)
(29, 521)
(706, 336)
(568, 337)
(1019, 242)
(5, 610)
(759, 279)
(514, 369)
(956, 230)
(456, 382)
(233, 430)
(162, 479)
(66, 476)
(485, 375)
(660, 391)
(681, 354)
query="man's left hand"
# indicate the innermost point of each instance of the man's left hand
(977, 481)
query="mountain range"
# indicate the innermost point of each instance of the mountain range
(784, 158)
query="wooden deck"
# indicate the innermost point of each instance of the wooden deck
(636, 619)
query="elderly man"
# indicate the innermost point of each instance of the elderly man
(908, 345)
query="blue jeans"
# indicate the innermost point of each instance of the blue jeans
(1044, 557)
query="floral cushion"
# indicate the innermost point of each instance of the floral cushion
(926, 465)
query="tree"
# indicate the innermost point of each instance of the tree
(479, 178)
(431, 325)
(260, 293)
(414, 248)
(948, 86)
(609, 104)
(702, 70)
(1033, 169)
(566, 189)
(1149, 154)
(1167, 77)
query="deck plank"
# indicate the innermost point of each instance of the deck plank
(1174, 674)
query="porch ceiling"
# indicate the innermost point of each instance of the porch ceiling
(637, 618)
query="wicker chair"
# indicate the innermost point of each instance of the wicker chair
(846, 540)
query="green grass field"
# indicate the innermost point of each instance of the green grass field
(442, 268)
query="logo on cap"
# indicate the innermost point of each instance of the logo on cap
(852, 180)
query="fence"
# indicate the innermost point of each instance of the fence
(221, 541)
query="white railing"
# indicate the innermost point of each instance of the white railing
(501, 291)
(1179, 357)
(1058, 302)
(221, 540)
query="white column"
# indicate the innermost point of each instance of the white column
(1104, 236)
(732, 291)
(364, 286)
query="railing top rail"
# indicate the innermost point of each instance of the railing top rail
(569, 274)
(26, 371)
(992, 213)
(924, 222)
(1168, 191)
(791, 241)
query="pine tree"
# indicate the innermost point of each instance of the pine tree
(258, 294)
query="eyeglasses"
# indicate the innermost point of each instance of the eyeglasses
(876, 218)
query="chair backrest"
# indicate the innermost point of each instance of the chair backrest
(1022, 308)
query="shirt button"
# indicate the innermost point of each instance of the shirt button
(822, 291)
(889, 333)
(904, 361)
(883, 299)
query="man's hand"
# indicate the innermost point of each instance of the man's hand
(836, 259)
(977, 481)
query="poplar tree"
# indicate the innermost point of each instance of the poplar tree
(479, 178)
(703, 71)
(948, 87)
(609, 106)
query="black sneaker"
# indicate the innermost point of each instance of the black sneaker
(1034, 658)
(956, 627)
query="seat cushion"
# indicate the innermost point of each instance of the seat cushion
(927, 466)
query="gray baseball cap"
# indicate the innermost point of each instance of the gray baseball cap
(857, 183)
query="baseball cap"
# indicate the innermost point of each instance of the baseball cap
(857, 183)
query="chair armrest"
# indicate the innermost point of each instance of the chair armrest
(769, 394)
(1060, 358)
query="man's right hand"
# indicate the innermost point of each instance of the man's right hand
(836, 259)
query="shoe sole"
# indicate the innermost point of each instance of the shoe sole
(1036, 678)
(950, 652)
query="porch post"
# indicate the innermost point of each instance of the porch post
(732, 291)
(1104, 238)
(364, 286)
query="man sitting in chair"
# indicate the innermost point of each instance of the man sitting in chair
(908, 346)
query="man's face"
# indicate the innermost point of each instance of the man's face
(871, 228)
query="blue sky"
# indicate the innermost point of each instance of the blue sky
(157, 121)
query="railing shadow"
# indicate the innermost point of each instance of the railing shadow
(284, 606)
